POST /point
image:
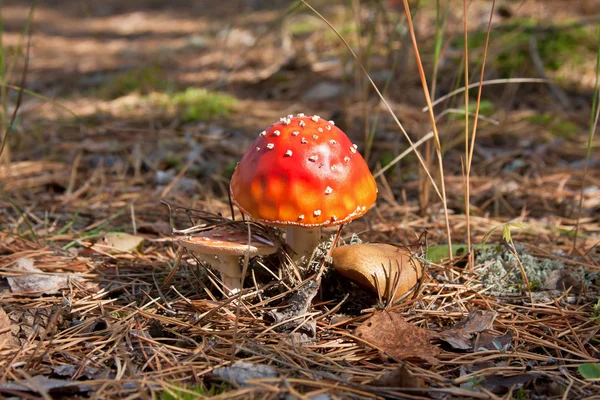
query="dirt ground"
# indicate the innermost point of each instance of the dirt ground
(135, 115)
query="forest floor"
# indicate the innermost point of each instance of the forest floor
(136, 115)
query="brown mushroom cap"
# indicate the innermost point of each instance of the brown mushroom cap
(303, 171)
(228, 241)
(367, 263)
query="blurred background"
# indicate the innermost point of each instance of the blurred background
(128, 105)
(138, 101)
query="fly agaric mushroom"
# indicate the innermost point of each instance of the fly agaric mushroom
(222, 248)
(379, 267)
(303, 173)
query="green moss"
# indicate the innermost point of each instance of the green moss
(302, 26)
(200, 104)
(143, 80)
(510, 44)
(173, 161)
(229, 169)
(486, 108)
(194, 392)
(386, 158)
(556, 126)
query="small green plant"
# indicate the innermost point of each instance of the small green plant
(486, 107)
(589, 370)
(521, 394)
(193, 392)
(596, 313)
(183, 393)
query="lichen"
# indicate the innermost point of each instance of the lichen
(501, 272)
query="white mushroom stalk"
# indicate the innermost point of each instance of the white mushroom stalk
(303, 241)
(222, 248)
(229, 268)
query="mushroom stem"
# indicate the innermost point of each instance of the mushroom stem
(303, 241)
(229, 268)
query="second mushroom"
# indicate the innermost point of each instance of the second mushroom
(222, 248)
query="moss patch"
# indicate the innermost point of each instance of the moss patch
(142, 80)
(509, 44)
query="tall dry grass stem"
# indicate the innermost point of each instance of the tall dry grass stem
(5, 72)
(469, 147)
(436, 137)
(595, 113)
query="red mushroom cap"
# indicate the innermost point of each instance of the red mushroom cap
(303, 171)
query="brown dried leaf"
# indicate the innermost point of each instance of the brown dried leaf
(159, 227)
(43, 384)
(7, 340)
(33, 280)
(461, 335)
(242, 372)
(400, 377)
(490, 341)
(501, 384)
(389, 332)
(119, 242)
(562, 280)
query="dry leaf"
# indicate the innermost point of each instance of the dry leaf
(490, 341)
(391, 333)
(7, 340)
(379, 267)
(159, 227)
(562, 280)
(461, 335)
(42, 384)
(69, 370)
(242, 371)
(400, 377)
(34, 280)
(119, 242)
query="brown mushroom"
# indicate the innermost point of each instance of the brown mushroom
(222, 248)
(379, 266)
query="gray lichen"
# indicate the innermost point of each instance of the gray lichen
(500, 271)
